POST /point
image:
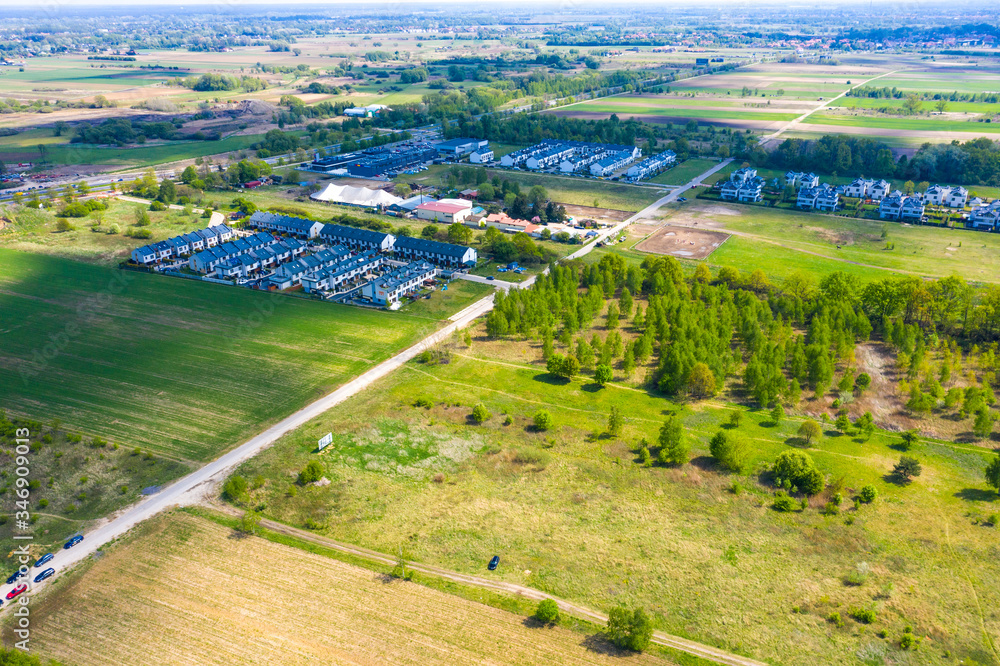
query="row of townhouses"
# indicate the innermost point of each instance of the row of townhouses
(211, 258)
(262, 258)
(651, 165)
(877, 190)
(896, 206)
(396, 284)
(599, 159)
(444, 254)
(822, 197)
(290, 274)
(333, 277)
(183, 245)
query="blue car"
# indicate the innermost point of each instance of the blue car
(72, 542)
(14, 576)
(43, 559)
(45, 574)
(494, 563)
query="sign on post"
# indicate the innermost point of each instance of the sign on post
(325, 441)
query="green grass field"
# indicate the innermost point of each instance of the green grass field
(146, 155)
(183, 368)
(624, 108)
(921, 124)
(570, 512)
(684, 172)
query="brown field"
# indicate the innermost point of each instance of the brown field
(185, 590)
(683, 242)
(599, 214)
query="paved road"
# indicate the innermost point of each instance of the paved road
(691, 647)
(771, 138)
(194, 487)
(499, 284)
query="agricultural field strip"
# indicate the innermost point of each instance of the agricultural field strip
(772, 137)
(193, 487)
(667, 640)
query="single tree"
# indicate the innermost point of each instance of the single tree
(983, 425)
(249, 522)
(629, 629)
(547, 611)
(312, 473)
(615, 422)
(862, 382)
(480, 414)
(810, 430)
(603, 374)
(735, 418)
(909, 438)
(906, 468)
(993, 473)
(673, 448)
(777, 414)
(542, 419)
(731, 450)
(701, 381)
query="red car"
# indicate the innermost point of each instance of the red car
(16, 591)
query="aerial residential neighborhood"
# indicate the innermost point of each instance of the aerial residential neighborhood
(562, 333)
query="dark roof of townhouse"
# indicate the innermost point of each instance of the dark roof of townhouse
(424, 245)
(264, 218)
(353, 233)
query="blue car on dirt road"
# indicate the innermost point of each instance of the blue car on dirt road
(43, 559)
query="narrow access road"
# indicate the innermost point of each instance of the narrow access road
(216, 219)
(708, 652)
(797, 121)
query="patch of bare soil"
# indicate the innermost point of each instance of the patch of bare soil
(600, 214)
(683, 242)
(882, 399)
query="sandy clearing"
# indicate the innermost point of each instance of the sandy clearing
(683, 242)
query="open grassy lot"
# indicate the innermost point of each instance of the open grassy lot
(183, 590)
(571, 512)
(684, 172)
(920, 250)
(913, 124)
(184, 368)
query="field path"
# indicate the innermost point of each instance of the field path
(791, 124)
(196, 486)
(677, 643)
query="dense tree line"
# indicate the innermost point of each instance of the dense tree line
(122, 131)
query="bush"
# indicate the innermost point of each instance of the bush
(783, 503)
(830, 509)
(859, 576)
(547, 611)
(312, 473)
(907, 641)
(630, 630)
(834, 617)
(542, 419)
(868, 494)
(157, 206)
(863, 615)
(480, 414)
(235, 488)
(529, 455)
(114, 229)
(731, 450)
(426, 403)
(63, 225)
(798, 468)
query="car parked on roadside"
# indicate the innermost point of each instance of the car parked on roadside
(16, 591)
(43, 559)
(45, 574)
(14, 576)
(72, 542)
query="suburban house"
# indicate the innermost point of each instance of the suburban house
(934, 195)
(481, 156)
(354, 238)
(827, 198)
(284, 224)
(956, 197)
(507, 224)
(396, 284)
(891, 206)
(879, 190)
(446, 254)
(441, 211)
(651, 165)
(806, 199)
(800, 179)
(743, 185)
(332, 277)
(859, 188)
(912, 209)
(986, 217)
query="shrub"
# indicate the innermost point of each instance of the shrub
(603, 374)
(547, 611)
(542, 419)
(731, 450)
(123, 490)
(859, 576)
(43, 503)
(529, 455)
(426, 403)
(798, 468)
(630, 630)
(834, 617)
(480, 414)
(509, 420)
(883, 633)
(114, 229)
(312, 473)
(157, 206)
(907, 641)
(235, 488)
(868, 494)
(863, 615)
(830, 509)
(783, 503)
(993, 520)
(63, 225)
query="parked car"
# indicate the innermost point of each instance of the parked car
(14, 576)
(494, 563)
(16, 591)
(43, 559)
(45, 574)
(72, 542)
(490, 277)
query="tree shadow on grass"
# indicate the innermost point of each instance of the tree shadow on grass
(901, 447)
(592, 387)
(797, 442)
(548, 378)
(599, 644)
(896, 479)
(977, 495)
(705, 463)
(532, 622)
